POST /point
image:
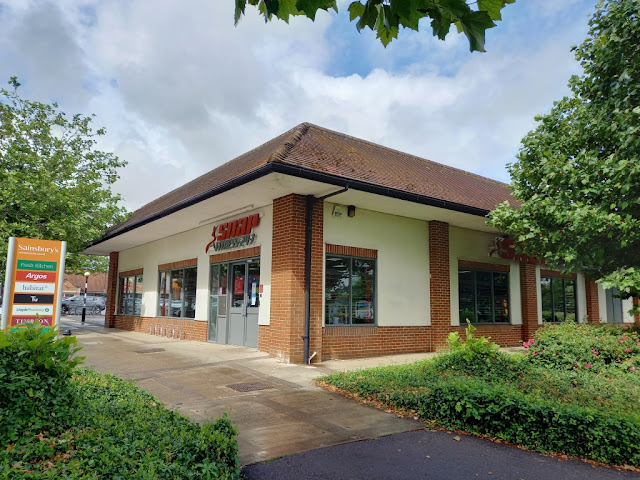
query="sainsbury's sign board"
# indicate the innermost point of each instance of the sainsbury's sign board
(33, 282)
(233, 234)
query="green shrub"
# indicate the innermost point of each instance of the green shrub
(537, 423)
(35, 368)
(119, 431)
(538, 405)
(571, 345)
(59, 421)
(472, 348)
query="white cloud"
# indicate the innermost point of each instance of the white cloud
(181, 90)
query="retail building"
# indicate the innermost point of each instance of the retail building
(318, 245)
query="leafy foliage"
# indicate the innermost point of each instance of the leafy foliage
(473, 348)
(385, 17)
(35, 368)
(538, 401)
(59, 421)
(577, 176)
(573, 346)
(55, 183)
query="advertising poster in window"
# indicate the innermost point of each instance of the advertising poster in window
(33, 282)
(238, 286)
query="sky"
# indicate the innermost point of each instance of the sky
(181, 90)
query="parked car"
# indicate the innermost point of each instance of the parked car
(74, 305)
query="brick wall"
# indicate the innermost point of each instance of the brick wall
(283, 337)
(357, 342)
(529, 298)
(112, 289)
(593, 310)
(439, 285)
(190, 329)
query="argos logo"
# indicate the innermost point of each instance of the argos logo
(27, 276)
(236, 233)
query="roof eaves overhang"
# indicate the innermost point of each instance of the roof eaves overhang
(377, 189)
(287, 169)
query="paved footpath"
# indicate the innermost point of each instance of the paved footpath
(279, 412)
(276, 407)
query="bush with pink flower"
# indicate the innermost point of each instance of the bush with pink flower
(572, 346)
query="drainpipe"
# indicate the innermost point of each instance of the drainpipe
(311, 200)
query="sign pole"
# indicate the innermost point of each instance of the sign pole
(8, 281)
(63, 258)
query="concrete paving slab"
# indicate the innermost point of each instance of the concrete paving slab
(193, 378)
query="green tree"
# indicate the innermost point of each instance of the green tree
(385, 17)
(577, 175)
(54, 183)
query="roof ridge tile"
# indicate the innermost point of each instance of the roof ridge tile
(280, 154)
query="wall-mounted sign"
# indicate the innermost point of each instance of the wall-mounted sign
(33, 282)
(233, 234)
(504, 248)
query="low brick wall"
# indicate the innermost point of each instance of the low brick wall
(504, 335)
(358, 342)
(191, 329)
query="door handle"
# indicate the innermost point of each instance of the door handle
(246, 308)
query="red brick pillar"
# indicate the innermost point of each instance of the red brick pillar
(529, 299)
(283, 337)
(112, 289)
(439, 285)
(593, 310)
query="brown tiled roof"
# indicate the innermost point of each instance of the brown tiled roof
(97, 281)
(319, 150)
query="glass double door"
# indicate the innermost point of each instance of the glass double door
(235, 303)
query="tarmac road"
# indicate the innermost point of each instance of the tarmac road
(428, 455)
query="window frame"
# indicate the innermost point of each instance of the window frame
(493, 321)
(183, 306)
(554, 278)
(350, 308)
(138, 278)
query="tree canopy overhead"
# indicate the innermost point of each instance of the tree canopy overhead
(578, 174)
(385, 17)
(54, 183)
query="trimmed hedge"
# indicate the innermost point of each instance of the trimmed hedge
(544, 406)
(77, 423)
(540, 424)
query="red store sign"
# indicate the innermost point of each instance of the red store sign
(236, 233)
(504, 248)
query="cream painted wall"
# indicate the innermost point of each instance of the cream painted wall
(474, 246)
(192, 244)
(602, 307)
(627, 305)
(582, 297)
(403, 261)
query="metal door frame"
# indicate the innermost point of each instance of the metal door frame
(229, 299)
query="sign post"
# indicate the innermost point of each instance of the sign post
(33, 282)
